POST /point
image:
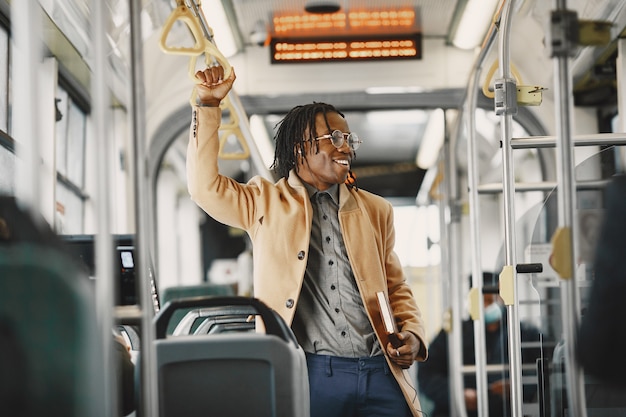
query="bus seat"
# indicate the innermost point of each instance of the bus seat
(216, 320)
(186, 291)
(231, 374)
(46, 311)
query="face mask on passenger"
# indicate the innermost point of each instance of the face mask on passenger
(493, 313)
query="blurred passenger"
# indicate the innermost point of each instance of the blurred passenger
(322, 249)
(5, 232)
(433, 375)
(602, 335)
(125, 376)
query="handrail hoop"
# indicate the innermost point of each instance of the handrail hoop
(182, 13)
(212, 56)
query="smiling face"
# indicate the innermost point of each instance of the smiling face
(324, 164)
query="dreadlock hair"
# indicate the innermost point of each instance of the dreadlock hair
(290, 136)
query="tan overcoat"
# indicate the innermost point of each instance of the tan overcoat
(277, 217)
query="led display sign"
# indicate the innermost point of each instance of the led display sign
(346, 36)
(356, 48)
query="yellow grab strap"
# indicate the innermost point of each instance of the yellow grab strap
(231, 129)
(183, 14)
(212, 55)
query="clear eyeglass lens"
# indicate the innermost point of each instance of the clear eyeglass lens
(353, 141)
(338, 137)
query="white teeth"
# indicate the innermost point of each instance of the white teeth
(342, 162)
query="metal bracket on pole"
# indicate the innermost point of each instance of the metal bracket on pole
(564, 33)
(505, 97)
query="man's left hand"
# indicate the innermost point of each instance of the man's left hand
(405, 355)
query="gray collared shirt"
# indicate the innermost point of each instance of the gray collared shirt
(330, 318)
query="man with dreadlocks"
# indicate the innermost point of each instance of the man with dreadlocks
(322, 249)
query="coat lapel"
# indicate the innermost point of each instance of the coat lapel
(359, 237)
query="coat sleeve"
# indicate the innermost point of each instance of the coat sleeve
(401, 298)
(223, 198)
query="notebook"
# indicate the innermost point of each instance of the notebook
(391, 327)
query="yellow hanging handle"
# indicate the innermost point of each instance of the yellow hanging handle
(201, 46)
(231, 129)
(212, 56)
(183, 14)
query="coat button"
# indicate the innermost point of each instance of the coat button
(289, 303)
(301, 255)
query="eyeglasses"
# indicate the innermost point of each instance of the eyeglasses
(338, 138)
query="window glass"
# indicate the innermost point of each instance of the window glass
(69, 213)
(76, 145)
(71, 134)
(61, 131)
(7, 171)
(417, 229)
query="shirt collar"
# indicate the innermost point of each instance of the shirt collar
(333, 191)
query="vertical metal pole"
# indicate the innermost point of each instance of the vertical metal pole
(27, 56)
(104, 243)
(621, 95)
(506, 106)
(455, 345)
(446, 274)
(570, 309)
(474, 204)
(477, 277)
(443, 204)
(149, 380)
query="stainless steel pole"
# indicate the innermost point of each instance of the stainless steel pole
(570, 309)
(455, 342)
(506, 106)
(472, 178)
(101, 105)
(149, 380)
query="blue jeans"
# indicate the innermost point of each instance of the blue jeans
(353, 387)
